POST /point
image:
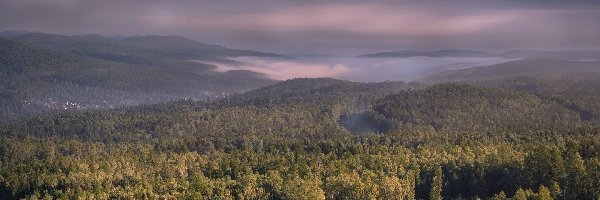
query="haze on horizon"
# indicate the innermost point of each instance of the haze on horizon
(324, 27)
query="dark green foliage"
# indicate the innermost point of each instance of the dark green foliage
(322, 90)
(292, 140)
(578, 93)
(544, 166)
(436, 185)
(455, 107)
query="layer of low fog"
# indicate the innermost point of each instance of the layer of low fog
(353, 68)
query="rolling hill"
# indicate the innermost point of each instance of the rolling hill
(439, 53)
(46, 73)
(455, 107)
(567, 55)
(303, 90)
(488, 140)
(525, 67)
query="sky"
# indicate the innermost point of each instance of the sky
(324, 27)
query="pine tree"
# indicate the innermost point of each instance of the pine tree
(555, 190)
(520, 195)
(544, 193)
(575, 179)
(499, 196)
(436, 185)
(411, 183)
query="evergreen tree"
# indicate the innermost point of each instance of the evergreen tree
(499, 196)
(544, 193)
(436, 185)
(520, 194)
(555, 190)
(575, 179)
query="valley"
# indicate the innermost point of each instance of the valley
(300, 100)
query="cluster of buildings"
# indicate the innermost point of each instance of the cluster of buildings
(55, 104)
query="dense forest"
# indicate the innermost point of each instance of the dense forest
(518, 138)
(44, 73)
(300, 100)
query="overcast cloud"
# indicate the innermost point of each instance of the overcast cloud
(324, 27)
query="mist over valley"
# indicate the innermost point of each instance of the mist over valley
(302, 100)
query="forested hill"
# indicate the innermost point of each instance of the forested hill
(404, 141)
(510, 133)
(569, 55)
(511, 69)
(134, 47)
(382, 106)
(439, 53)
(319, 90)
(44, 73)
(515, 54)
(453, 107)
(578, 93)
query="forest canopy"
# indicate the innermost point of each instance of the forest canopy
(294, 140)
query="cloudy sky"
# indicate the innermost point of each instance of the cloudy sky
(334, 27)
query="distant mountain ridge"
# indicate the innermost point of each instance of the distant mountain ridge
(439, 53)
(10, 34)
(170, 46)
(566, 55)
(525, 67)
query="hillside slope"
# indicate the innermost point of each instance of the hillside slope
(44, 73)
(439, 53)
(568, 55)
(452, 107)
(525, 67)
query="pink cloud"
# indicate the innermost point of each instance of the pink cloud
(360, 19)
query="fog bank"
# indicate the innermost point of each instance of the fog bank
(353, 68)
